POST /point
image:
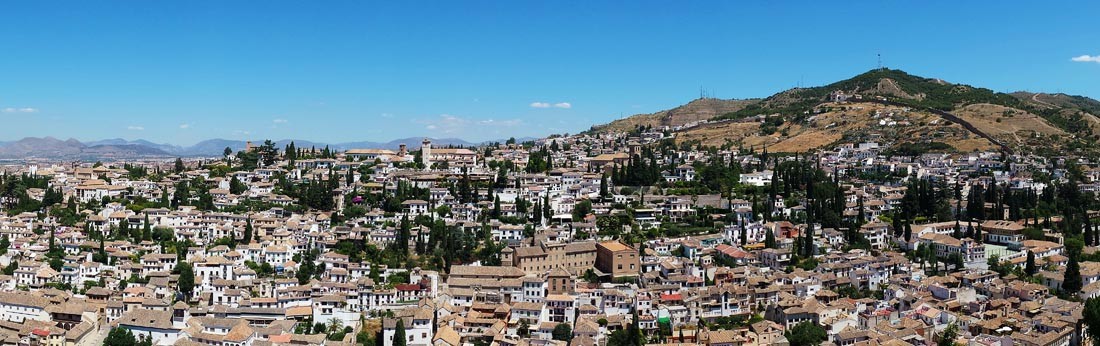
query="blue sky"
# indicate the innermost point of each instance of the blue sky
(333, 71)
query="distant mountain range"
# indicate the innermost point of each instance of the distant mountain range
(118, 148)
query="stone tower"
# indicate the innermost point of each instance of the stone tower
(426, 152)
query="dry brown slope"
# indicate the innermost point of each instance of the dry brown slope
(1067, 104)
(1011, 126)
(698, 109)
(845, 123)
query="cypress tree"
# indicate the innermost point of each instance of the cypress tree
(147, 229)
(1071, 283)
(399, 333)
(908, 232)
(496, 207)
(1090, 234)
(744, 232)
(247, 231)
(859, 204)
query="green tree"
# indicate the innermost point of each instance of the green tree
(4, 244)
(186, 279)
(582, 209)
(267, 152)
(10, 269)
(399, 333)
(247, 231)
(146, 229)
(237, 187)
(179, 167)
(1091, 318)
(949, 335)
(119, 336)
(806, 334)
(524, 329)
(562, 332)
(1071, 284)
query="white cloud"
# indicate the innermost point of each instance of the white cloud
(387, 115)
(457, 125)
(20, 110)
(1087, 58)
(185, 126)
(279, 121)
(565, 105)
(505, 123)
(135, 128)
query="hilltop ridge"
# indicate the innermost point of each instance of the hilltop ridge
(894, 107)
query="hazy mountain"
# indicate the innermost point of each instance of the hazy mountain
(54, 148)
(167, 148)
(118, 148)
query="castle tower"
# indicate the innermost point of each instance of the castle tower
(426, 152)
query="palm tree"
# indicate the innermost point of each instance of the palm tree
(335, 325)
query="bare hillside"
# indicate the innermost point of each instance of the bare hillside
(696, 110)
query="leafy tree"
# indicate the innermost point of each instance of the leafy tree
(237, 187)
(267, 152)
(949, 335)
(10, 269)
(1091, 319)
(806, 334)
(582, 209)
(120, 336)
(186, 279)
(524, 329)
(631, 336)
(562, 332)
(179, 167)
(4, 244)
